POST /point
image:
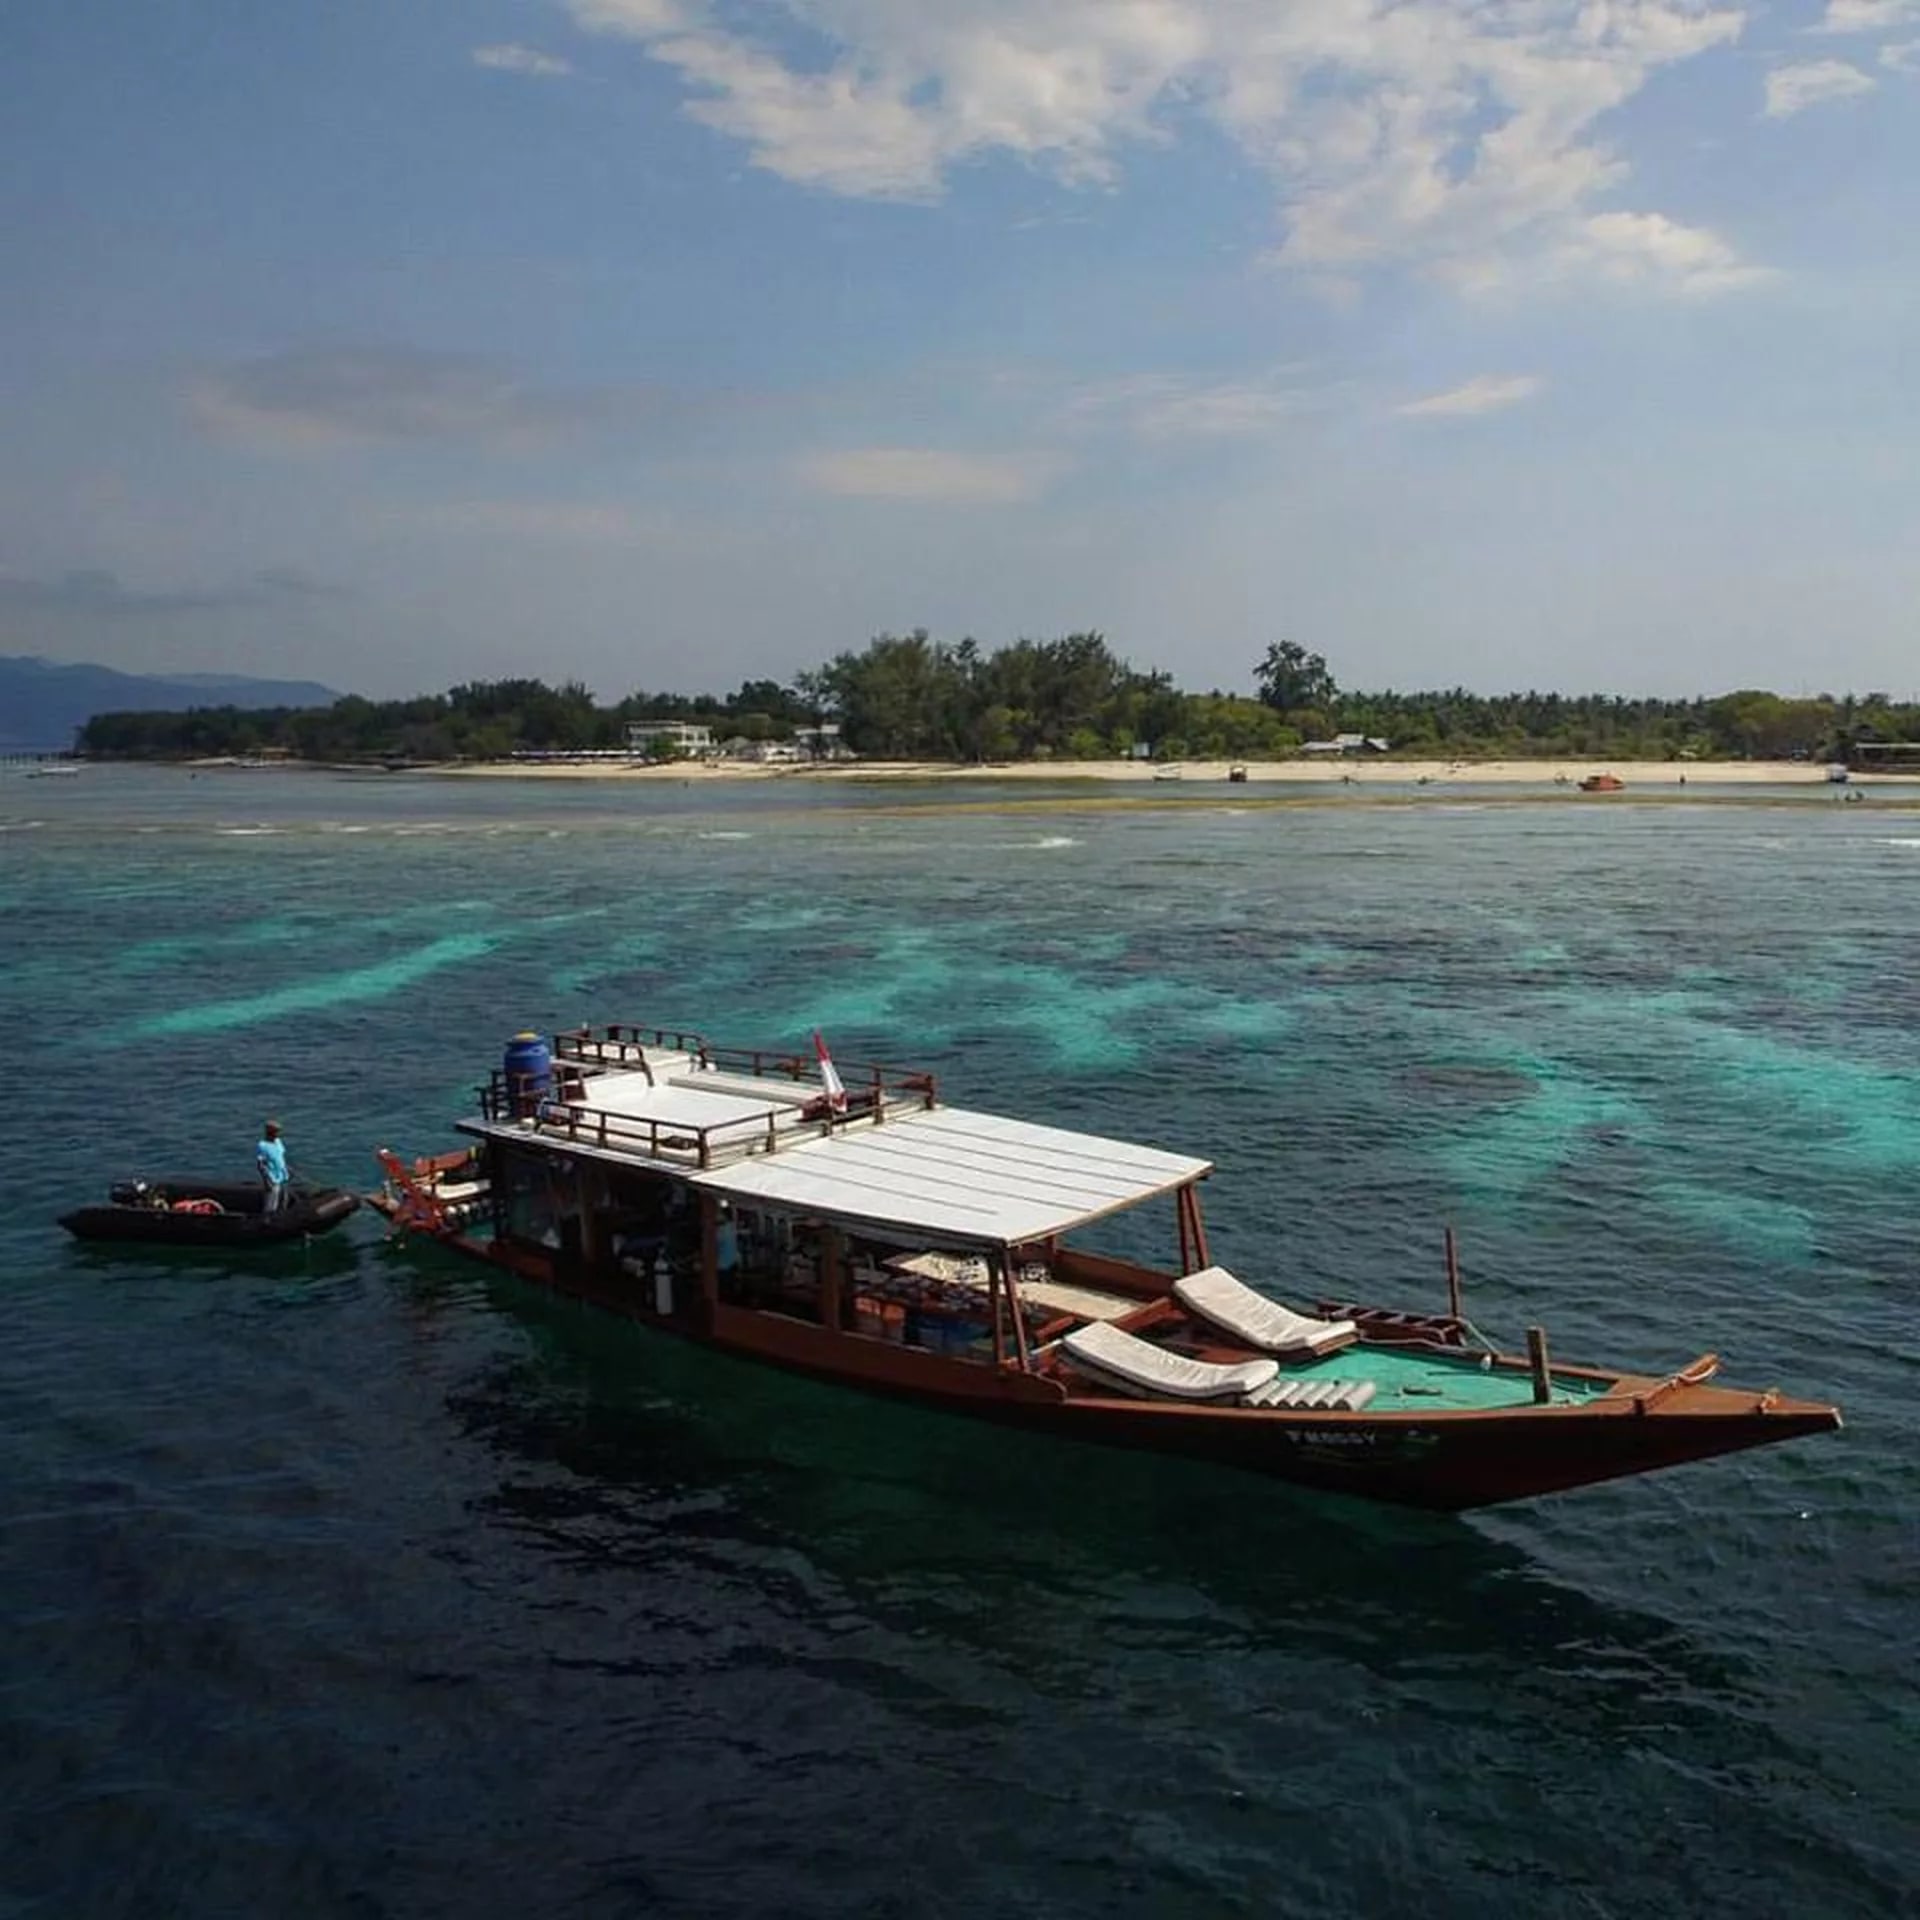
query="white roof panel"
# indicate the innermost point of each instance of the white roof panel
(676, 1103)
(951, 1174)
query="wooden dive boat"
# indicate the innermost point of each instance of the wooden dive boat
(178, 1211)
(868, 1234)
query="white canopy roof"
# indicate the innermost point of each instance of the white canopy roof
(945, 1173)
(681, 1101)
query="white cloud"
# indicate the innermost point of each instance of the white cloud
(1484, 393)
(1867, 16)
(1634, 252)
(1813, 83)
(927, 473)
(637, 19)
(528, 60)
(1429, 133)
(1162, 406)
(1642, 249)
(1901, 57)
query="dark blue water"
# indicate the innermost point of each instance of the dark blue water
(363, 1584)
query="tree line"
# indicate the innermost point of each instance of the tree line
(909, 696)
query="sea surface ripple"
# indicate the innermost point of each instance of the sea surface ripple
(362, 1584)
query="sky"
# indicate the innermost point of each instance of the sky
(666, 343)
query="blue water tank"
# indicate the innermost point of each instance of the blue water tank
(529, 1073)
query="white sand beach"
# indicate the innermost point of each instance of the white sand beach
(1639, 776)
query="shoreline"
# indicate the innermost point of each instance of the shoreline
(1662, 776)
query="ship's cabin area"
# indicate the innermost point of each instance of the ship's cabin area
(637, 1241)
(651, 1238)
(679, 1182)
(653, 1164)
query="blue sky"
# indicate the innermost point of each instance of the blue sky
(666, 342)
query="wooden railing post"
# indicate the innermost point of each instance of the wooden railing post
(1541, 1364)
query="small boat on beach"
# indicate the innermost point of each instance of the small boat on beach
(864, 1232)
(1603, 783)
(180, 1211)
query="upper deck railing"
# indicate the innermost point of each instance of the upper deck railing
(619, 1045)
(580, 1055)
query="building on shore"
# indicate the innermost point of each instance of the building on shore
(1346, 743)
(1884, 756)
(762, 753)
(821, 743)
(668, 740)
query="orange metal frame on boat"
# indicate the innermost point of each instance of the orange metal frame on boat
(416, 1207)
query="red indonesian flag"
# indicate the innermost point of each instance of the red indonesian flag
(829, 1078)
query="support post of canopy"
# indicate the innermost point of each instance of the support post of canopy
(832, 1261)
(1003, 1259)
(594, 1202)
(996, 1296)
(709, 1250)
(1193, 1230)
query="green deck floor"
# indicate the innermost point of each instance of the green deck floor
(1415, 1382)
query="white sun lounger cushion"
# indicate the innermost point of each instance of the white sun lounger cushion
(1214, 1294)
(1315, 1396)
(1144, 1368)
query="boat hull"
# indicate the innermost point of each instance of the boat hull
(239, 1224)
(1451, 1463)
(1446, 1462)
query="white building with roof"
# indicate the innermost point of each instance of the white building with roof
(656, 739)
(1346, 743)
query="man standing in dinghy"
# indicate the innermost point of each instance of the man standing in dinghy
(270, 1156)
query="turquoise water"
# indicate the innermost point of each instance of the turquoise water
(361, 1583)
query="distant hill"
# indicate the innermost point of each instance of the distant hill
(42, 702)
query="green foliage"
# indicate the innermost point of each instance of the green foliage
(909, 696)
(1290, 678)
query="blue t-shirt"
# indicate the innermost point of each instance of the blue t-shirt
(270, 1156)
